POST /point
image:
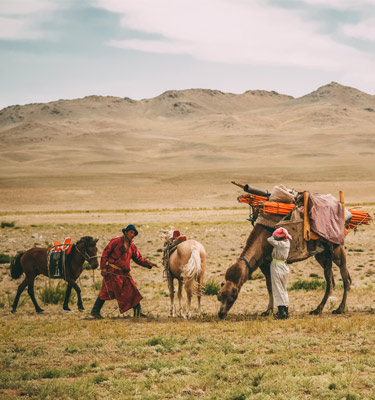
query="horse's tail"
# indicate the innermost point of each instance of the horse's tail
(15, 266)
(194, 266)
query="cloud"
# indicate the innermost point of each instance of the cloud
(364, 30)
(231, 31)
(21, 19)
(341, 4)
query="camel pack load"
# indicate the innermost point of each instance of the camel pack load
(307, 216)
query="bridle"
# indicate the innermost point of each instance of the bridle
(86, 256)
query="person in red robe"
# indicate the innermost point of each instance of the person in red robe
(115, 269)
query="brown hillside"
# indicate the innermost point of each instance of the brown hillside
(182, 148)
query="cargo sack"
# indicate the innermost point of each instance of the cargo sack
(298, 245)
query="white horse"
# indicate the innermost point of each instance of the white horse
(186, 264)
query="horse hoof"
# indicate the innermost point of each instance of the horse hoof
(13, 311)
(40, 311)
(338, 311)
(315, 312)
(67, 309)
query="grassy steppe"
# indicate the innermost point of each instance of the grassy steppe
(71, 356)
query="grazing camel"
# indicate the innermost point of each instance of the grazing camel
(257, 253)
(186, 264)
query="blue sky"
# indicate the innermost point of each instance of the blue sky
(65, 49)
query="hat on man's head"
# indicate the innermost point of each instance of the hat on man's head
(130, 227)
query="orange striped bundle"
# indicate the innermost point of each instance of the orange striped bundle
(252, 199)
(272, 207)
(358, 218)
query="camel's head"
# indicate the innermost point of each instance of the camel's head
(227, 296)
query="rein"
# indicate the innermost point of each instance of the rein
(86, 256)
(248, 265)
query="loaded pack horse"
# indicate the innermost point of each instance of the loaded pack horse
(187, 264)
(257, 253)
(34, 262)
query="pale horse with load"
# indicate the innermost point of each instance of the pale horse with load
(184, 260)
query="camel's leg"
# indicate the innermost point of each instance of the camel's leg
(30, 290)
(67, 296)
(172, 312)
(339, 258)
(325, 260)
(179, 295)
(265, 268)
(189, 294)
(20, 289)
(78, 291)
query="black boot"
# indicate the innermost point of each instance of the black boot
(282, 312)
(95, 312)
(138, 312)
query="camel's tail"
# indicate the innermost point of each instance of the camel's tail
(194, 266)
(15, 266)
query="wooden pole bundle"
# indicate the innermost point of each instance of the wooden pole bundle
(261, 204)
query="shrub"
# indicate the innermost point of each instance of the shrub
(308, 285)
(7, 224)
(211, 288)
(4, 259)
(51, 294)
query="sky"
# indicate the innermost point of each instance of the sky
(66, 49)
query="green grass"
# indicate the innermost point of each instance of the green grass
(4, 258)
(53, 293)
(307, 285)
(211, 288)
(74, 358)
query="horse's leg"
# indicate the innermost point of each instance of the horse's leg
(199, 292)
(30, 290)
(172, 312)
(325, 260)
(20, 289)
(265, 268)
(179, 295)
(78, 291)
(67, 297)
(339, 258)
(200, 281)
(189, 294)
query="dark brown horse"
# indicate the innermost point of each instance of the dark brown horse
(33, 262)
(258, 253)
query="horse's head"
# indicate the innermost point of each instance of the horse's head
(88, 249)
(227, 296)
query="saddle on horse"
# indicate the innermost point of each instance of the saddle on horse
(56, 259)
(169, 247)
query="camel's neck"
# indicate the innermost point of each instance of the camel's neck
(256, 244)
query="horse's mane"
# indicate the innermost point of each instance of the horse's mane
(258, 229)
(89, 240)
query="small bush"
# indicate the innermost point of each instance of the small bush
(211, 288)
(308, 285)
(4, 259)
(2, 301)
(51, 294)
(7, 224)
(86, 265)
